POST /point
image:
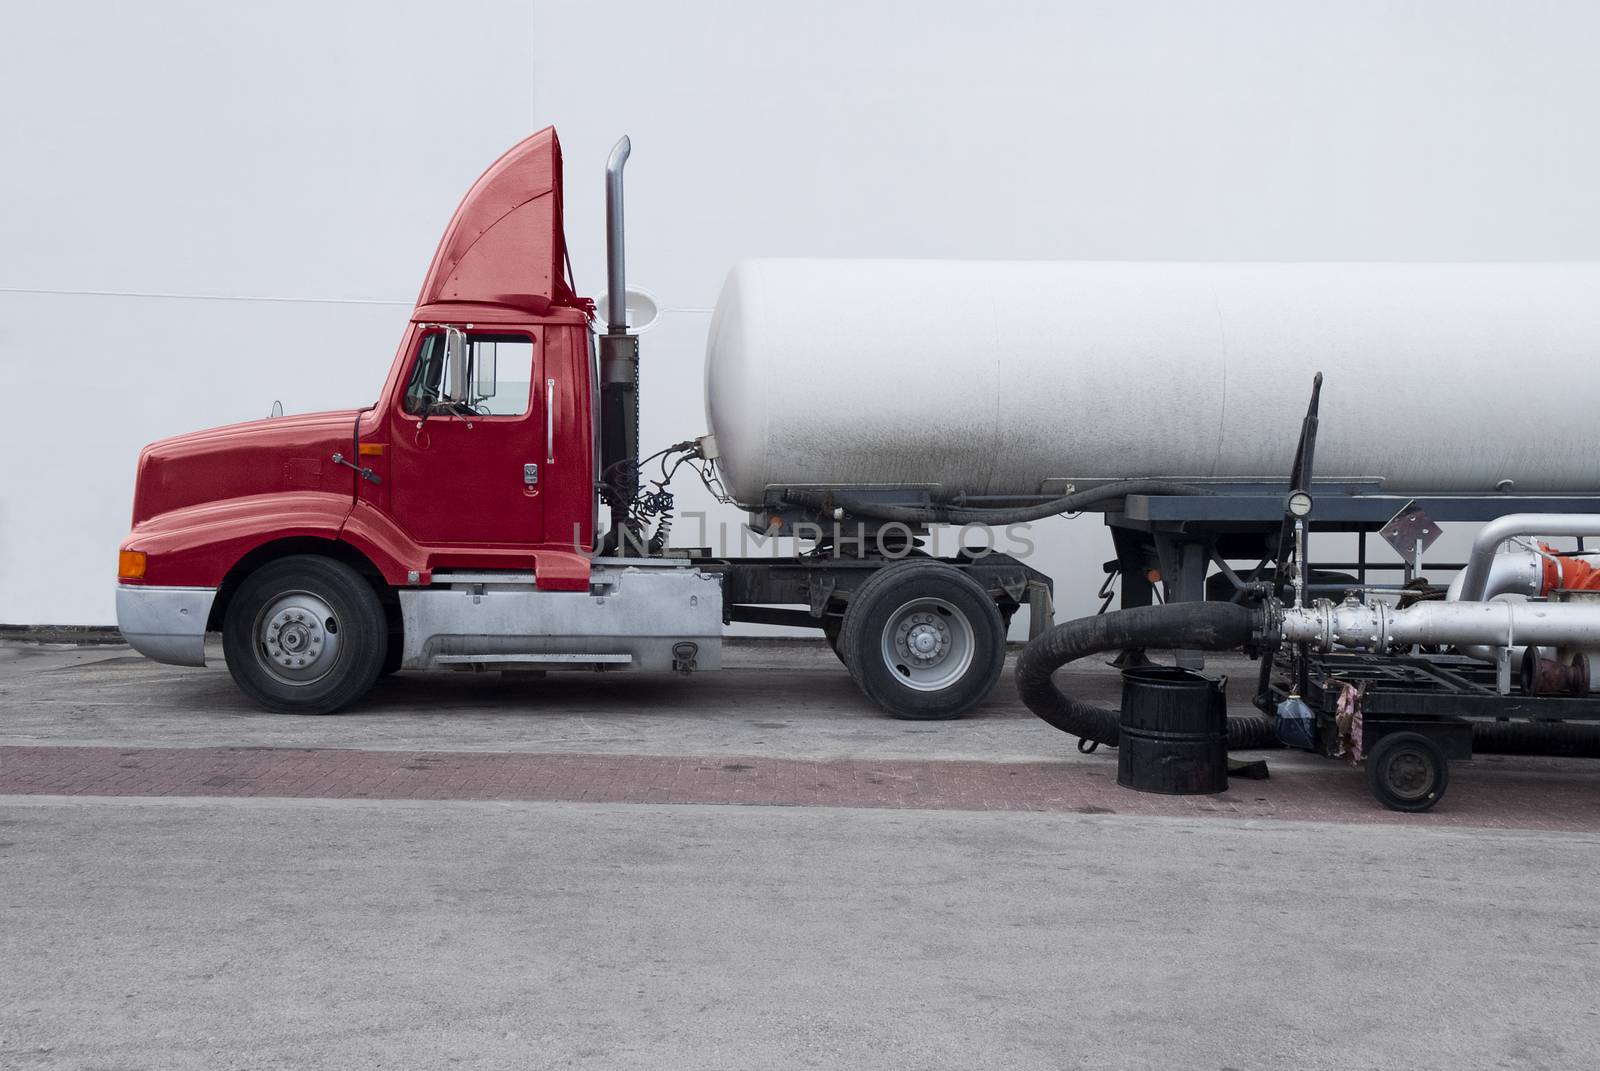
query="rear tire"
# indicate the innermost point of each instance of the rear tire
(923, 640)
(305, 635)
(1407, 772)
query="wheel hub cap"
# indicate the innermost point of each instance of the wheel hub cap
(298, 638)
(929, 644)
(924, 639)
(1408, 774)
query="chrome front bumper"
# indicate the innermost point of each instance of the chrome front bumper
(165, 624)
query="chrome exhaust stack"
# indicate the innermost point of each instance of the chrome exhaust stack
(616, 275)
(619, 371)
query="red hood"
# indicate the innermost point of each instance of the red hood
(291, 453)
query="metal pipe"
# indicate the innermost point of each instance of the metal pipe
(1498, 623)
(619, 371)
(616, 289)
(1514, 572)
(1300, 560)
(1475, 579)
(1509, 574)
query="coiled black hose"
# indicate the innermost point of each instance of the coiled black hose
(1073, 503)
(1204, 626)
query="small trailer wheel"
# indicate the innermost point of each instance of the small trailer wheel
(1407, 772)
(305, 635)
(923, 640)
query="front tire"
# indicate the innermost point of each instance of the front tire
(305, 635)
(923, 640)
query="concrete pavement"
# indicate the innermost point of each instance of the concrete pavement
(218, 934)
(223, 932)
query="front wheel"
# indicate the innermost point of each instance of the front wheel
(923, 640)
(305, 635)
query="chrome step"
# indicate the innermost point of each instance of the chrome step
(563, 659)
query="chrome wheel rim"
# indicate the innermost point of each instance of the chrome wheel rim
(297, 638)
(928, 644)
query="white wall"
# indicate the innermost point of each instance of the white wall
(214, 155)
(310, 153)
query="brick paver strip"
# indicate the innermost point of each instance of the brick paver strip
(1515, 800)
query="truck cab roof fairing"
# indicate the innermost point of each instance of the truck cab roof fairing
(506, 245)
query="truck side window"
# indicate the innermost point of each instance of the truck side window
(500, 373)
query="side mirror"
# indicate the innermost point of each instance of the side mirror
(455, 363)
(483, 370)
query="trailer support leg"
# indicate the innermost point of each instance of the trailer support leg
(1183, 578)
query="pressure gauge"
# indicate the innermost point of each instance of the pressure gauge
(1299, 504)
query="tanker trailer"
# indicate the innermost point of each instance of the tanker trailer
(950, 383)
(992, 392)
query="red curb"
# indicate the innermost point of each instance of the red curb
(1490, 798)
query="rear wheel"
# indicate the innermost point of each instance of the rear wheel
(305, 635)
(1407, 772)
(923, 640)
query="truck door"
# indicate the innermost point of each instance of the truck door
(465, 457)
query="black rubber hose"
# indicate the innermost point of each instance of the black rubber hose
(824, 501)
(1568, 739)
(1203, 626)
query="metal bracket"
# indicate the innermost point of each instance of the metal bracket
(1411, 532)
(1041, 608)
(821, 593)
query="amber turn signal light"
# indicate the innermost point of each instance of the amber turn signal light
(130, 565)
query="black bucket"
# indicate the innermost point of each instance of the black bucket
(1174, 730)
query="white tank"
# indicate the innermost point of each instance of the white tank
(996, 378)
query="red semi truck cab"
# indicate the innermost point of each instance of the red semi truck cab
(453, 522)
